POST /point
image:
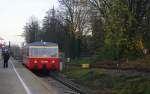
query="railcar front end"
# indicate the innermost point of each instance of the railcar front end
(42, 57)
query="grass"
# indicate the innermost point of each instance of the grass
(103, 83)
(81, 61)
(133, 86)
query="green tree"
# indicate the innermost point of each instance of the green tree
(116, 27)
(140, 29)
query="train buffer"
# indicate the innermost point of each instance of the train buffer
(18, 80)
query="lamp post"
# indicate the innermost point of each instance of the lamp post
(9, 44)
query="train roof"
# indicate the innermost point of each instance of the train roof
(42, 44)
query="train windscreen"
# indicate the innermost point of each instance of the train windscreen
(44, 52)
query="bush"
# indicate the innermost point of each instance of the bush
(112, 53)
(105, 53)
(86, 60)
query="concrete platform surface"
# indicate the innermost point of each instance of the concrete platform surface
(16, 79)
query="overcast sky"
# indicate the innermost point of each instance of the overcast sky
(15, 13)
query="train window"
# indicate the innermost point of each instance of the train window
(54, 52)
(27, 52)
(33, 52)
(44, 52)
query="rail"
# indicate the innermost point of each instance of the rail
(114, 66)
(70, 84)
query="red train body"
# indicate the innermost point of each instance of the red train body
(41, 55)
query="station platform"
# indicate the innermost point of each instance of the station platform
(16, 79)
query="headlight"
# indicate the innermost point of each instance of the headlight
(53, 61)
(35, 61)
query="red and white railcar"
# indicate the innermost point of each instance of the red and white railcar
(41, 55)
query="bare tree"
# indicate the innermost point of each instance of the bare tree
(32, 30)
(101, 6)
(76, 14)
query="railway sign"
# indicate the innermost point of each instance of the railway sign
(145, 51)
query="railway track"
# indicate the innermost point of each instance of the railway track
(114, 67)
(62, 85)
(59, 87)
(75, 87)
(120, 71)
